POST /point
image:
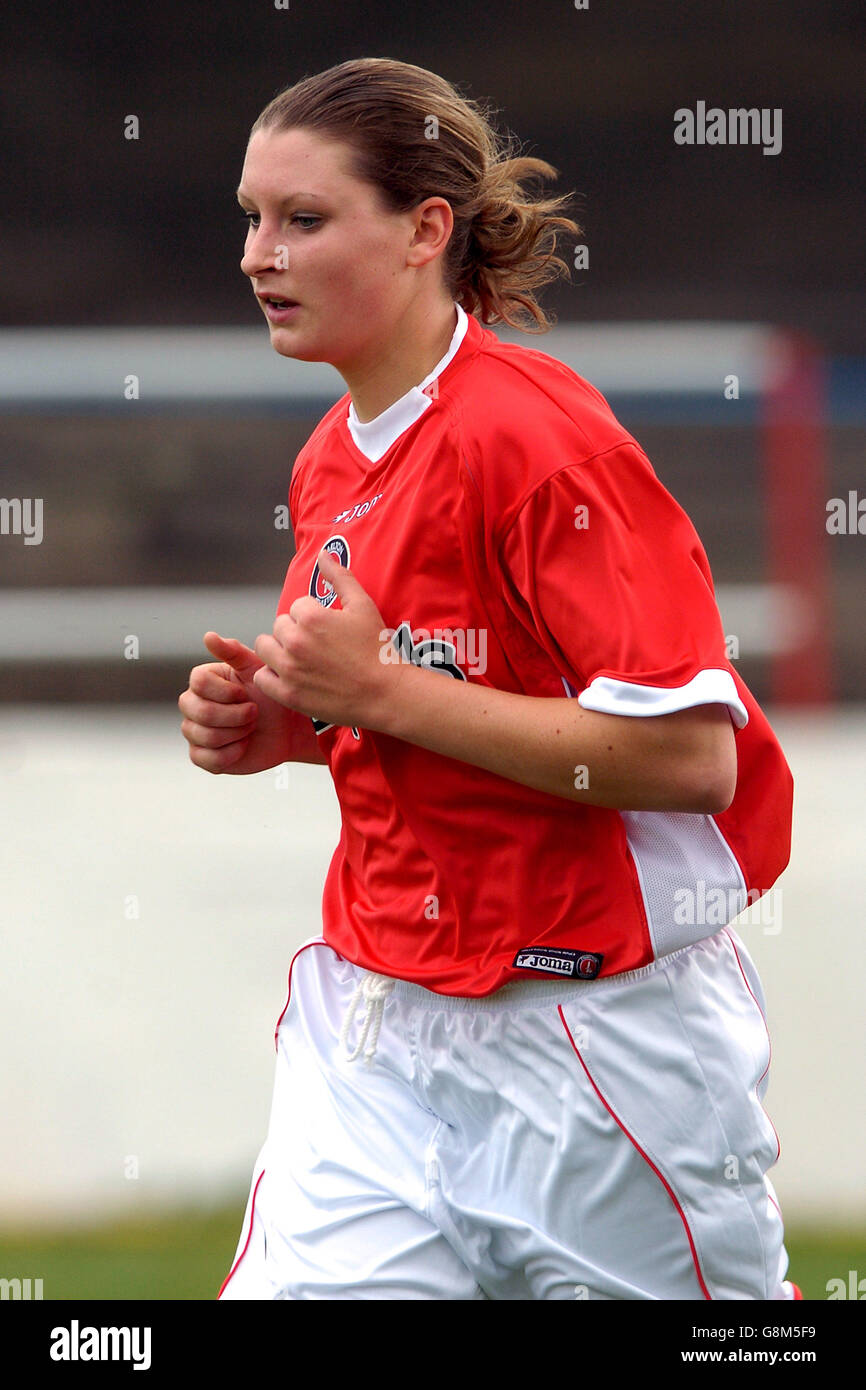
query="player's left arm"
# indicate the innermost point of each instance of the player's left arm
(685, 761)
(327, 664)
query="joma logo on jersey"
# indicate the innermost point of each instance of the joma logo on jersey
(359, 509)
(555, 960)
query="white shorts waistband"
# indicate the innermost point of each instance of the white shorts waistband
(528, 993)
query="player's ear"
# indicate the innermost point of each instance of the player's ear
(433, 223)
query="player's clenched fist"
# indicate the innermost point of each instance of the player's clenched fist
(230, 725)
(325, 662)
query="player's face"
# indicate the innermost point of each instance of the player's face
(320, 237)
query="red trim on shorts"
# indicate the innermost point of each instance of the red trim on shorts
(662, 1179)
(320, 941)
(769, 1045)
(798, 1294)
(246, 1242)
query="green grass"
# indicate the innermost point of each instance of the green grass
(181, 1256)
(817, 1257)
(187, 1255)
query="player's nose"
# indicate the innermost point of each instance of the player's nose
(260, 254)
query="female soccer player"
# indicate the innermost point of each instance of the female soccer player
(525, 1058)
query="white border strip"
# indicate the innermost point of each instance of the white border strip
(53, 624)
(41, 365)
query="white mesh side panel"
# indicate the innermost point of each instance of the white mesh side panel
(691, 882)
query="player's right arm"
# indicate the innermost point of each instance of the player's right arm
(231, 726)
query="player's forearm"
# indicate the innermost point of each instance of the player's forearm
(677, 762)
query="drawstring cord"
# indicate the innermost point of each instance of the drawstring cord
(375, 990)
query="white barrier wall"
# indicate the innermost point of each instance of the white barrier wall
(149, 913)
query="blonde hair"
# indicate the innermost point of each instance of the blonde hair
(414, 136)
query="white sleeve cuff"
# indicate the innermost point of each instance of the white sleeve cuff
(710, 687)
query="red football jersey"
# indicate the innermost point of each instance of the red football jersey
(515, 534)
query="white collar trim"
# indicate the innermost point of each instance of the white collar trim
(375, 437)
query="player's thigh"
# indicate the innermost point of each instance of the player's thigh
(679, 1062)
(614, 1145)
(338, 1201)
(363, 1245)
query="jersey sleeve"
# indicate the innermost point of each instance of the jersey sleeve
(608, 571)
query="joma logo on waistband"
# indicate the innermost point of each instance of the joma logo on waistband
(555, 960)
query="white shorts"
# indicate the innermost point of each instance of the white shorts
(596, 1139)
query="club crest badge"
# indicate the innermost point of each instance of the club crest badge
(320, 589)
(325, 594)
